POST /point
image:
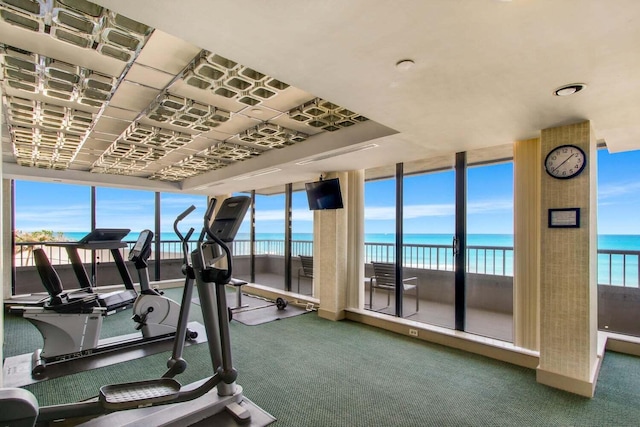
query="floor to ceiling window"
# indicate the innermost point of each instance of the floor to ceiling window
(172, 205)
(301, 244)
(269, 245)
(62, 211)
(121, 208)
(618, 242)
(489, 278)
(379, 238)
(45, 212)
(456, 245)
(170, 247)
(429, 228)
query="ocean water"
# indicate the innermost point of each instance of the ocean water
(605, 241)
(617, 269)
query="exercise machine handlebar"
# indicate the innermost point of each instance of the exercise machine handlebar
(223, 275)
(184, 239)
(209, 213)
(184, 214)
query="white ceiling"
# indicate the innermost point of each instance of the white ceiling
(484, 76)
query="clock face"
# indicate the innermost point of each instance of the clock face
(565, 161)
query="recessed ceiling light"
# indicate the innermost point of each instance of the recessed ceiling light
(405, 64)
(569, 89)
(256, 111)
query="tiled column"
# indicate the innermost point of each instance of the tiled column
(330, 255)
(568, 271)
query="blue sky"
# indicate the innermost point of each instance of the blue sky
(428, 203)
(66, 208)
(618, 192)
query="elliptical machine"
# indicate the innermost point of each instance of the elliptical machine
(176, 405)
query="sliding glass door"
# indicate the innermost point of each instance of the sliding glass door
(449, 228)
(489, 276)
(429, 229)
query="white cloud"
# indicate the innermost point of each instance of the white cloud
(618, 189)
(138, 214)
(379, 213)
(302, 215)
(445, 209)
(63, 218)
(490, 206)
(278, 215)
(124, 206)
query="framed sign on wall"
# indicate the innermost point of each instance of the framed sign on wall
(564, 218)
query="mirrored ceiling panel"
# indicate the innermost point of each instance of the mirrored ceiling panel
(213, 113)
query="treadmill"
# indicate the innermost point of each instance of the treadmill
(102, 238)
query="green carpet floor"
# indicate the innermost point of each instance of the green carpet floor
(307, 371)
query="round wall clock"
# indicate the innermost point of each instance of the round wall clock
(565, 161)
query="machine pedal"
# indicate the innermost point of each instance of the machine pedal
(138, 394)
(239, 413)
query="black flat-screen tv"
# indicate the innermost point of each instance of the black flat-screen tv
(324, 194)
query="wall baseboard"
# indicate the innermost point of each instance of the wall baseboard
(562, 382)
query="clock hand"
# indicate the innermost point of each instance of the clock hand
(565, 161)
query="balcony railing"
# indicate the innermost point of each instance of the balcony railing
(615, 267)
(619, 268)
(496, 260)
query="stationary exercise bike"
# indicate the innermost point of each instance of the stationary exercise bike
(154, 314)
(165, 401)
(71, 328)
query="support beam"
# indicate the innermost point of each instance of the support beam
(526, 281)
(330, 256)
(460, 241)
(355, 239)
(399, 239)
(568, 277)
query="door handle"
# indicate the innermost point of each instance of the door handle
(456, 245)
